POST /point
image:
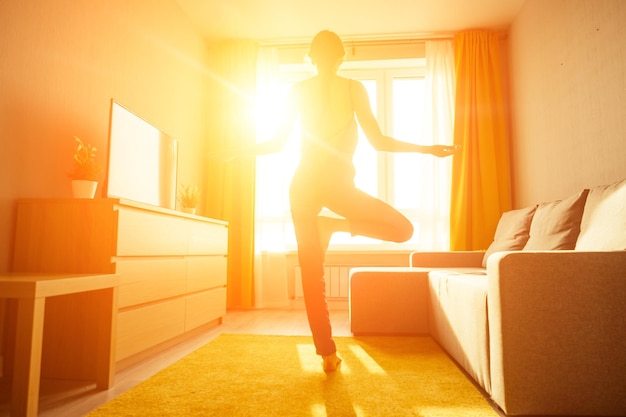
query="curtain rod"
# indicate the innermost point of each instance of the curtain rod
(387, 40)
(360, 41)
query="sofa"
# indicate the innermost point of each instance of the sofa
(538, 320)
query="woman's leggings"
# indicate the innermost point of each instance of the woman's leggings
(366, 216)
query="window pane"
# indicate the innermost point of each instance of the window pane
(408, 125)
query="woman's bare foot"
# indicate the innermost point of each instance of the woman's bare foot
(327, 226)
(331, 362)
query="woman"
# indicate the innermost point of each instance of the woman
(327, 105)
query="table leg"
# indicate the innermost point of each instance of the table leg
(27, 367)
(107, 331)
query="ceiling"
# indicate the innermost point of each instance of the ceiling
(283, 20)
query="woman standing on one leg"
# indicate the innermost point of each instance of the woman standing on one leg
(329, 106)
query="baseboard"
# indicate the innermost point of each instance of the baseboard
(333, 303)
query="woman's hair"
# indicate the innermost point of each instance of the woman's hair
(326, 47)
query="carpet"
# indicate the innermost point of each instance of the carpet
(257, 376)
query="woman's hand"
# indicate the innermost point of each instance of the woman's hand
(441, 151)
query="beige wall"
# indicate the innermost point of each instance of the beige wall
(568, 75)
(61, 63)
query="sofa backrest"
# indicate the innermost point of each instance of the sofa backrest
(553, 225)
(603, 225)
(590, 220)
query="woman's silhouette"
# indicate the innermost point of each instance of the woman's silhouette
(329, 106)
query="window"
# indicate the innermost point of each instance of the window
(412, 183)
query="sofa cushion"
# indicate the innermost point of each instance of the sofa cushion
(512, 232)
(603, 226)
(458, 318)
(388, 300)
(556, 225)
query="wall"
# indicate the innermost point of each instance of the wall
(568, 74)
(63, 61)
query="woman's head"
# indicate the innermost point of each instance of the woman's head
(326, 49)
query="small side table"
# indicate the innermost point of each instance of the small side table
(31, 291)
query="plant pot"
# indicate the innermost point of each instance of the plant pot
(84, 188)
(190, 210)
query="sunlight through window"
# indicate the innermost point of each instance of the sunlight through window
(312, 362)
(318, 410)
(358, 411)
(366, 360)
(444, 411)
(309, 360)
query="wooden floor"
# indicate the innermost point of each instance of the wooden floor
(69, 399)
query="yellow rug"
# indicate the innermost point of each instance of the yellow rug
(256, 376)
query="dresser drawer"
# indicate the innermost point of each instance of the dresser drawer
(146, 280)
(141, 328)
(142, 233)
(204, 272)
(204, 307)
(207, 239)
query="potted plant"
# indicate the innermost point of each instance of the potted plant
(86, 170)
(188, 198)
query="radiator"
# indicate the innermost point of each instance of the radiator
(336, 277)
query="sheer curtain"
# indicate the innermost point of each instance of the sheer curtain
(433, 221)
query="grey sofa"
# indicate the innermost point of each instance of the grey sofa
(538, 320)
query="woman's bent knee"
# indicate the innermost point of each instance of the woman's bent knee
(404, 233)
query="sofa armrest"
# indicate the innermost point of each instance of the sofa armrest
(557, 328)
(450, 259)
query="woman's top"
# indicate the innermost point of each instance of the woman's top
(329, 128)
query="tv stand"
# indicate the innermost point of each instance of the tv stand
(171, 267)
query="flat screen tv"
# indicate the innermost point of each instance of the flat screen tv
(143, 160)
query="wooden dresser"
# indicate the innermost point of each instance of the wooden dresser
(171, 266)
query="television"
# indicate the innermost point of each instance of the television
(143, 160)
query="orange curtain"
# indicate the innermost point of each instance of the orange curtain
(230, 185)
(481, 188)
